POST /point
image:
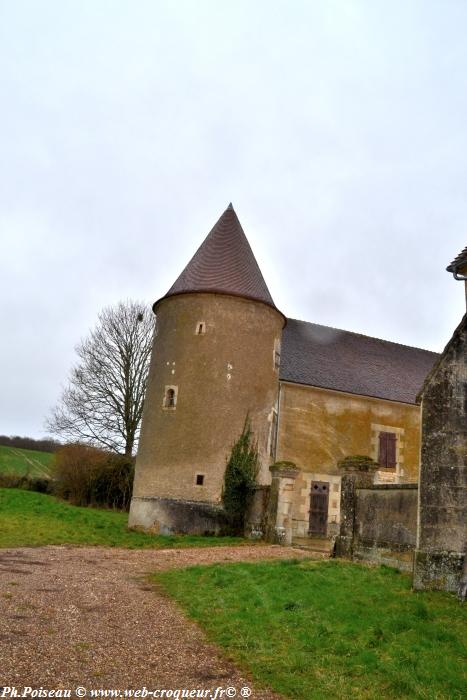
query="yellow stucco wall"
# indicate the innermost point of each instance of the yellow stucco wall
(318, 427)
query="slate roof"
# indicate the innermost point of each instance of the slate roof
(224, 263)
(457, 262)
(330, 358)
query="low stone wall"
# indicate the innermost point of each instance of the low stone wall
(167, 516)
(378, 523)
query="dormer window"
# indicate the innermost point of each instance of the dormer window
(200, 328)
(170, 397)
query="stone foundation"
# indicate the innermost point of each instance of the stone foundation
(397, 557)
(437, 570)
(167, 516)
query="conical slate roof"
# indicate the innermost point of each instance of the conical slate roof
(224, 263)
(457, 262)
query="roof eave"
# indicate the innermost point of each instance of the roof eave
(347, 391)
(221, 292)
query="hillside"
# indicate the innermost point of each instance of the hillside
(14, 460)
(29, 519)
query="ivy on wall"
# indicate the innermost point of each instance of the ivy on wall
(240, 478)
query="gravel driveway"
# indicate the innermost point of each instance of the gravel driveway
(86, 617)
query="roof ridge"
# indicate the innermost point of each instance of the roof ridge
(363, 335)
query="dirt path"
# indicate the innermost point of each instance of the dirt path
(86, 617)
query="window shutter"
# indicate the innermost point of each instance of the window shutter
(391, 449)
(387, 450)
(383, 452)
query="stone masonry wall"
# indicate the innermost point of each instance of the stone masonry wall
(378, 523)
(443, 482)
(218, 376)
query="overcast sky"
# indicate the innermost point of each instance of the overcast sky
(337, 129)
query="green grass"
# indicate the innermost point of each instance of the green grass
(33, 519)
(14, 460)
(321, 630)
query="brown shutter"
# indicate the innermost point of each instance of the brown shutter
(391, 449)
(383, 452)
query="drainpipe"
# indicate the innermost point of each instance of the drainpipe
(278, 422)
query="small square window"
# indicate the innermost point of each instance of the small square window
(199, 479)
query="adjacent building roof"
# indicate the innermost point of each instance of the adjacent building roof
(224, 263)
(457, 262)
(311, 354)
(330, 358)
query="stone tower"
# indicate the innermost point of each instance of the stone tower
(215, 360)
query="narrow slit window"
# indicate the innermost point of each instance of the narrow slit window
(200, 328)
(170, 397)
(277, 359)
(199, 480)
(277, 355)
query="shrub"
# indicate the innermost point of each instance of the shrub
(10, 481)
(113, 485)
(240, 479)
(89, 476)
(284, 464)
(360, 462)
(27, 483)
(27, 443)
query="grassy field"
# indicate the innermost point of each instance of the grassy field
(32, 519)
(14, 460)
(329, 629)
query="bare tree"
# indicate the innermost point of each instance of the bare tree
(103, 401)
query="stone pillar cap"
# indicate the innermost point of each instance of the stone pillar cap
(287, 470)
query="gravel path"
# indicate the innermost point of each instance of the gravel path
(87, 617)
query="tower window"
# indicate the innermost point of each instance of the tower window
(199, 481)
(200, 328)
(277, 355)
(170, 397)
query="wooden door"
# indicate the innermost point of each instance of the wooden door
(319, 499)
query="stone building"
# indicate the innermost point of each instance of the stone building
(442, 503)
(313, 394)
